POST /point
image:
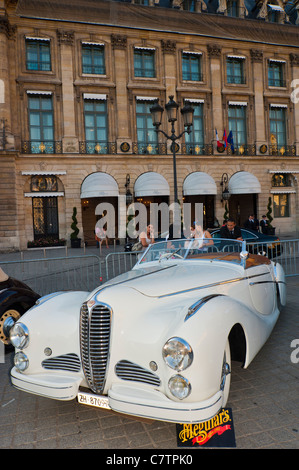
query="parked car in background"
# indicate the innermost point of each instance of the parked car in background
(15, 298)
(257, 242)
(157, 341)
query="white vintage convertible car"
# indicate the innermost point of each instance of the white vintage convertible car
(157, 341)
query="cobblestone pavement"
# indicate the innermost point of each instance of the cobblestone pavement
(264, 401)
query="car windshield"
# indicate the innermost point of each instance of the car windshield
(190, 249)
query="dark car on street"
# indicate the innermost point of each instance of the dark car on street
(15, 299)
(258, 243)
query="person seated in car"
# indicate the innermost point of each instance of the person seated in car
(231, 230)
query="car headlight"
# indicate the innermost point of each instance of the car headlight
(177, 354)
(21, 361)
(179, 386)
(19, 335)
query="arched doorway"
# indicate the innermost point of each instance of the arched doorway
(97, 188)
(244, 188)
(151, 187)
(199, 187)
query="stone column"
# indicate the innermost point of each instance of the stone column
(69, 140)
(6, 33)
(258, 88)
(295, 96)
(214, 53)
(120, 59)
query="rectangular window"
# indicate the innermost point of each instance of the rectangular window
(232, 8)
(278, 131)
(276, 74)
(38, 55)
(96, 126)
(146, 135)
(235, 70)
(93, 59)
(144, 63)
(45, 217)
(281, 205)
(191, 66)
(195, 140)
(41, 124)
(237, 124)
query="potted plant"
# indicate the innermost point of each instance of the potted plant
(271, 229)
(75, 241)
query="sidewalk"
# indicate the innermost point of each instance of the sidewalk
(264, 401)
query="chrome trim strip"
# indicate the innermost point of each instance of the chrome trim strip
(200, 303)
(207, 286)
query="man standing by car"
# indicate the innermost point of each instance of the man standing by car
(231, 230)
(252, 223)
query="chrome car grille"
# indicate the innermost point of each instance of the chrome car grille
(127, 370)
(94, 339)
(68, 362)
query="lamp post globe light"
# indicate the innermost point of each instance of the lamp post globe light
(172, 113)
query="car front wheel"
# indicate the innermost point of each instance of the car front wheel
(7, 320)
(226, 373)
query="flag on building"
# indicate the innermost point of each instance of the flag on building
(230, 140)
(219, 144)
(224, 139)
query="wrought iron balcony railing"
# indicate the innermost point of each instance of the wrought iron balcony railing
(282, 150)
(45, 146)
(97, 147)
(196, 149)
(249, 149)
(149, 148)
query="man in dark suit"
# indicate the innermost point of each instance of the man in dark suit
(252, 223)
(264, 225)
(231, 230)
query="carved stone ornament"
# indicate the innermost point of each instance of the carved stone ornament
(256, 55)
(7, 28)
(118, 41)
(214, 50)
(168, 46)
(294, 58)
(65, 37)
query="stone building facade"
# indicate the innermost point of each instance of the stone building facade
(77, 80)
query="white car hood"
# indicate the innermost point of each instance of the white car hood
(165, 280)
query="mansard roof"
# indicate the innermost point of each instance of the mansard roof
(127, 15)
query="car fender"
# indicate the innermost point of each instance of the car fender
(17, 296)
(281, 283)
(208, 330)
(53, 324)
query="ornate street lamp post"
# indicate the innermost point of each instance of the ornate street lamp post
(172, 111)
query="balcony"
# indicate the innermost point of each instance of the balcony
(282, 151)
(196, 149)
(41, 147)
(96, 147)
(149, 148)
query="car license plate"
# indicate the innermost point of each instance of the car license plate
(98, 401)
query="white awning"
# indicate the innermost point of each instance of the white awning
(151, 184)
(99, 185)
(42, 173)
(237, 103)
(199, 183)
(41, 194)
(94, 96)
(283, 191)
(244, 182)
(275, 7)
(283, 171)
